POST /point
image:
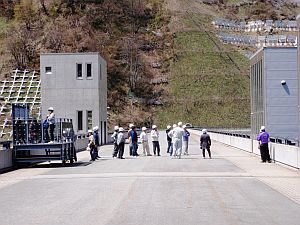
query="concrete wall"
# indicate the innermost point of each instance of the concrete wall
(6, 159)
(286, 154)
(68, 94)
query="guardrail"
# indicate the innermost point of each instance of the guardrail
(282, 153)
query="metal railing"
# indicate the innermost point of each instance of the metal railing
(246, 133)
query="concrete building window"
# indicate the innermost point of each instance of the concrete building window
(79, 120)
(79, 70)
(48, 70)
(89, 119)
(89, 70)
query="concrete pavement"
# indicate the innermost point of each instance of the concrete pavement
(232, 188)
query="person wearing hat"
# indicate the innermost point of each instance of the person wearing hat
(96, 140)
(185, 141)
(169, 139)
(121, 143)
(177, 140)
(134, 140)
(91, 146)
(155, 140)
(145, 143)
(263, 139)
(115, 137)
(129, 138)
(51, 122)
(171, 135)
(205, 143)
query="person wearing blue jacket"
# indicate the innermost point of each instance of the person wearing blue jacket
(185, 140)
(134, 139)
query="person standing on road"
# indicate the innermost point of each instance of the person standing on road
(51, 121)
(115, 137)
(91, 146)
(96, 140)
(171, 135)
(263, 139)
(177, 140)
(169, 139)
(145, 143)
(205, 143)
(134, 140)
(121, 143)
(129, 138)
(185, 142)
(155, 140)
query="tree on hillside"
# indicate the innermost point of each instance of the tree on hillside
(27, 13)
(7, 8)
(23, 47)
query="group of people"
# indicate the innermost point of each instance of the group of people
(177, 141)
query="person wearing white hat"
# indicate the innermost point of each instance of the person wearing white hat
(121, 143)
(185, 141)
(263, 139)
(155, 140)
(96, 140)
(91, 146)
(129, 138)
(177, 140)
(51, 122)
(169, 139)
(171, 135)
(145, 143)
(205, 143)
(115, 137)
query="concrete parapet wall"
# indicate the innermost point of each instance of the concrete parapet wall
(6, 159)
(285, 154)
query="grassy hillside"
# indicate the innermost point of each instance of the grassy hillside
(206, 86)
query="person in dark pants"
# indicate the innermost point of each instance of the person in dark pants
(134, 139)
(115, 137)
(169, 140)
(51, 121)
(155, 140)
(91, 146)
(205, 143)
(96, 140)
(263, 139)
(121, 143)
